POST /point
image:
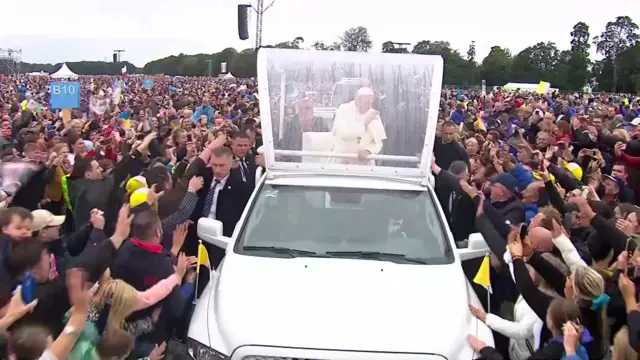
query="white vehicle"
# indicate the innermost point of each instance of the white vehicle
(337, 258)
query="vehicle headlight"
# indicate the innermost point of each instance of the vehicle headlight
(199, 351)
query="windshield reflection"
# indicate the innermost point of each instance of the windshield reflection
(345, 222)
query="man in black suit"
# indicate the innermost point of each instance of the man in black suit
(243, 164)
(457, 206)
(223, 196)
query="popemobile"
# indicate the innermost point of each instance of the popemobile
(343, 252)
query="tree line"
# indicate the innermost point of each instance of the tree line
(569, 69)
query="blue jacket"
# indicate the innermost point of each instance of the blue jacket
(204, 110)
(523, 176)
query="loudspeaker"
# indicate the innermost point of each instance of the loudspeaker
(243, 25)
(115, 57)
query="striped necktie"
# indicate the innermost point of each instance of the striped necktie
(244, 170)
(208, 201)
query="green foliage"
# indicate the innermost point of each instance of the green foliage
(571, 69)
(356, 39)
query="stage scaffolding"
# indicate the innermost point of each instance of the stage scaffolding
(10, 61)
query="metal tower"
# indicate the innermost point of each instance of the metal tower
(10, 61)
(260, 9)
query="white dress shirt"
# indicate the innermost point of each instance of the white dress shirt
(216, 189)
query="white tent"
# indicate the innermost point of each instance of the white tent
(229, 76)
(38, 73)
(64, 73)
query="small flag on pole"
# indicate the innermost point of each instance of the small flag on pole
(482, 277)
(480, 124)
(203, 257)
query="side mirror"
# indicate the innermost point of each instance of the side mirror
(210, 231)
(477, 247)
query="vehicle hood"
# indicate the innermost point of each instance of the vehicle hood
(342, 304)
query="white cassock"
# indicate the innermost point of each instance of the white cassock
(350, 135)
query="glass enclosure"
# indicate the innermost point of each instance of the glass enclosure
(329, 110)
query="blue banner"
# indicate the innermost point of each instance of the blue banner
(64, 95)
(148, 84)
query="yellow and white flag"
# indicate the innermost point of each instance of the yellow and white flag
(483, 277)
(203, 257)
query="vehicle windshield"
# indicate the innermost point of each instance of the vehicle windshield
(300, 221)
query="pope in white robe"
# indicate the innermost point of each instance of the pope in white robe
(358, 129)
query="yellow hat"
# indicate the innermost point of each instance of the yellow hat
(536, 175)
(575, 169)
(139, 197)
(135, 183)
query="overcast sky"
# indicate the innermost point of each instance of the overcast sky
(73, 30)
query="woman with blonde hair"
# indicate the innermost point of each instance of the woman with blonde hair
(584, 286)
(115, 301)
(560, 313)
(621, 350)
(622, 134)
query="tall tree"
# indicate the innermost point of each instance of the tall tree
(618, 36)
(578, 66)
(388, 47)
(455, 66)
(496, 66)
(471, 52)
(535, 63)
(356, 39)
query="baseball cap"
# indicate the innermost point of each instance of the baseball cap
(139, 197)
(636, 121)
(506, 180)
(135, 183)
(44, 218)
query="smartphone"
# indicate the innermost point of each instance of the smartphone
(189, 138)
(28, 287)
(631, 248)
(524, 230)
(585, 192)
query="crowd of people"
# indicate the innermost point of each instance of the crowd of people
(551, 182)
(132, 163)
(98, 238)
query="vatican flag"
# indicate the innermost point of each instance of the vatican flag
(203, 257)
(483, 276)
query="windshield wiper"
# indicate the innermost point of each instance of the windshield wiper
(374, 255)
(281, 251)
